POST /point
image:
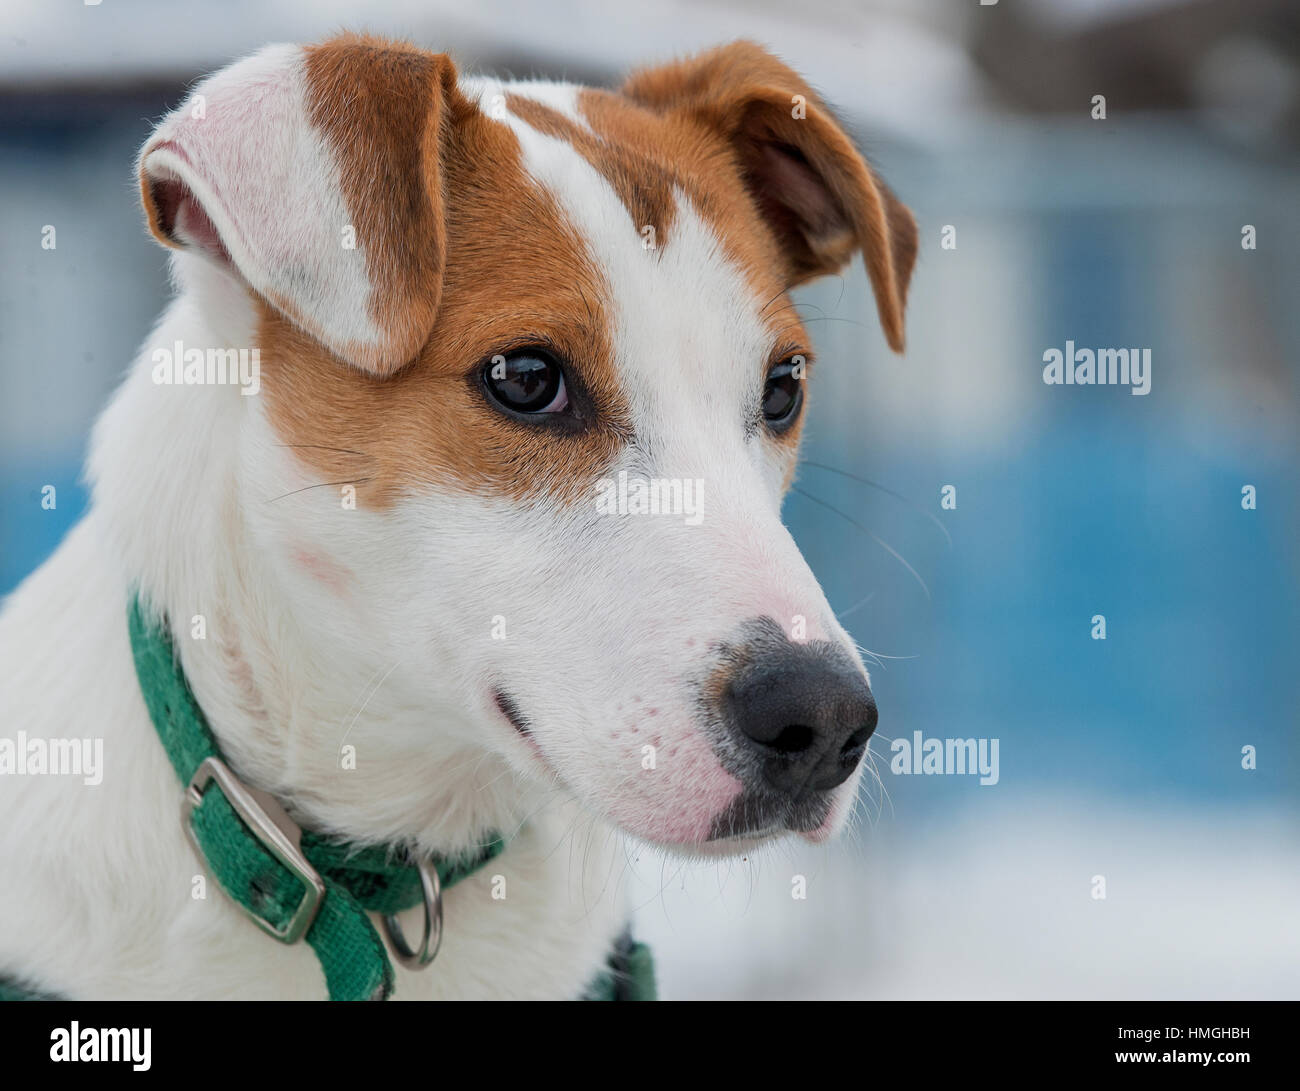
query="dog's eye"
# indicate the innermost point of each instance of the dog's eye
(527, 381)
(783, 394)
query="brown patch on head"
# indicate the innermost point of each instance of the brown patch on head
(650, 159)
(516, 273)
(644, 183)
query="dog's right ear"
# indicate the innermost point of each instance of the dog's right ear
(314, 176)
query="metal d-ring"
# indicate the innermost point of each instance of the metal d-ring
(432, 939)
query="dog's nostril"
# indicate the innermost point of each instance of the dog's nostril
(856, 745)
(792, 739)
(801, 714)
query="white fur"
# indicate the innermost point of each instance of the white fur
(197, 504)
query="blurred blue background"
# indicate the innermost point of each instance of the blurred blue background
(1119, 757)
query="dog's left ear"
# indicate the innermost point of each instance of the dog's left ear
(314, 176)
(814, 189)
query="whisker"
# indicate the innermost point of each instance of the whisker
(831, 318)
(841, 318)
(883, 488)
(855, 606)
(870, 655)
(840, 298)
(322, 485)
(773, 300)
(878, 656)
(870, 534)
(373, 690)
(787, 307)
(323, 447)
(795, 307)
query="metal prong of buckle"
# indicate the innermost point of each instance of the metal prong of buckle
(432, 939)
(273, 827)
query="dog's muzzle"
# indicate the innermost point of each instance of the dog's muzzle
(795, 720)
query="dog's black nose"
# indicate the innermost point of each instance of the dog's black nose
(803, 713)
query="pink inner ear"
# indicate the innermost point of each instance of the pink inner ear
(792, 182)
(182, 219)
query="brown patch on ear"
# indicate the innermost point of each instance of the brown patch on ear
(386, 109)
(516, 270)
(814, 189)
(902, 238)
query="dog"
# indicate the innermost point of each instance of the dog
(423, 573)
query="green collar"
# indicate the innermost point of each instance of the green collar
(293, 884)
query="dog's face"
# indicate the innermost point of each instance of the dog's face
(507, 320)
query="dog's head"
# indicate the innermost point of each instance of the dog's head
(541, 335)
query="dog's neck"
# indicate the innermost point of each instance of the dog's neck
(308, 711)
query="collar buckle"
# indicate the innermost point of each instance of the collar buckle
(267, 821)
